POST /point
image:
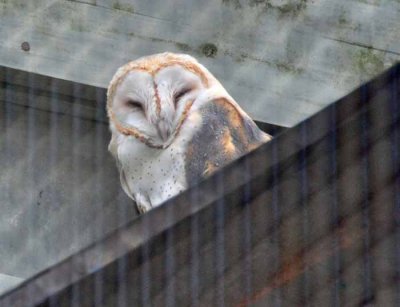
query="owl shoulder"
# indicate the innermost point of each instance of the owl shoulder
(224, 135)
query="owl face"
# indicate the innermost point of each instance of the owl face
(152, 96)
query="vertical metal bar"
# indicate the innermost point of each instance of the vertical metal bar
(53, 154)
(54, 129)
(145, 267)
(98, 289)
(122, 267)
(122, 282)
(247, 232)
(31, 134)
(194, 253)
(98, 154)
(8, 98)
(170, 263)
(219, 241)
(277, 216)
(336, 263)
(395, 148)
(304, 204)
(76, 131)
(367, 287)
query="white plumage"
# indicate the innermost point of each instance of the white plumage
(173, 123)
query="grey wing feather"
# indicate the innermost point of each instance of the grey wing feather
(225, 135)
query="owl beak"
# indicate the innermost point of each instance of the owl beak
(163, 130)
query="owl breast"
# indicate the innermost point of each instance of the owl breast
(153, 175)
(150, 173)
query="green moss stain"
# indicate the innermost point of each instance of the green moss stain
(77, 26)
(284, 67)
(373, 2)
(183, 47)
(3, 7)
(209, 50)
(234, 3)
(16, 4)
(345, 23)
(258, 2)
(288, 68)
(240, 58)
(292, 8)
(288, 8)
(342, 19)
(368, 62)
(179, 45)
(123, 7)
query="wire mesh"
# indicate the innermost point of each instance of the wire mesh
(311, 218)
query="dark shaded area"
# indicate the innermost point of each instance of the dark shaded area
(310, 218)
(271, 129)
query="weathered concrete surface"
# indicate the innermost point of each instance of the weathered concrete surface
(7, 282)
(281, 59)
(59, 186)
(308, 219)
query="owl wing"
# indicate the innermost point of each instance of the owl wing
(113, 149)
(124, 184)
(142, 202)
(225, 134)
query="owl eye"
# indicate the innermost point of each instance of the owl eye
(180, 94)
(134, 104)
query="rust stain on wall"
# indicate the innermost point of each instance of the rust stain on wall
(308, 257)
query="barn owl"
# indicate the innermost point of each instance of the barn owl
(172, 123)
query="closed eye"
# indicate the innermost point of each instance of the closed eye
(180, 94)
(134, 104)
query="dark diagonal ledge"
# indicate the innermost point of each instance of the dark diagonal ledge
(305, 219)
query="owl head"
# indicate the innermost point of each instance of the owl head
(149, 98)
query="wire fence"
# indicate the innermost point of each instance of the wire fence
(310, 219)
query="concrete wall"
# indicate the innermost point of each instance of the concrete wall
(59, 186)
(281, 59)
(308, 219)
(7, 282)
